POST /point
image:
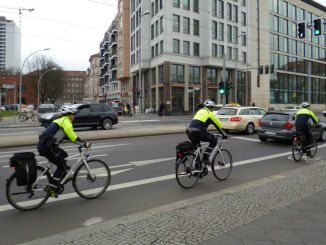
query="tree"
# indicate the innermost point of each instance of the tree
(51, 84)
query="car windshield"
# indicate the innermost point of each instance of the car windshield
(227, 111)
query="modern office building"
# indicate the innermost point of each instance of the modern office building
(181, 50)
(10, 45)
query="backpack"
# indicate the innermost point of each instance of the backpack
(25, 167)
(185, 147)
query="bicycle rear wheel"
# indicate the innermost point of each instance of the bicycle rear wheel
(25, 197)
(93, 183)
(185, 172)
(222, 165)
(34, 117)
(313, 149)
(297, 150)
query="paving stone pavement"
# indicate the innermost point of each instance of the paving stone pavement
(288, 208)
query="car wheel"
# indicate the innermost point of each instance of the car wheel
(250, 129)
(323, 136)
(107, 123)
(263, 139)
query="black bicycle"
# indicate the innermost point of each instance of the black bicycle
(189, 166)
(299, 146)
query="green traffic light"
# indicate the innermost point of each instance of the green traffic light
(317, 32)
(222, 91)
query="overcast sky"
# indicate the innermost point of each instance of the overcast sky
(72, 29)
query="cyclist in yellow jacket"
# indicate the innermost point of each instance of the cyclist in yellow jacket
(197, 130)
(48, 145)
(301, 123)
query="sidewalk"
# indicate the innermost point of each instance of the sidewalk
(283, 209)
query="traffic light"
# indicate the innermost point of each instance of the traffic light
(261, 70)
(221, 87)
(272, 69)
(317, 27)
(228, 87)
(301, 29)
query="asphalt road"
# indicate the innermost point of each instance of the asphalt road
(142, 178)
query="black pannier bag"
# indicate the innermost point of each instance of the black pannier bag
(25, 167)
(185, 147)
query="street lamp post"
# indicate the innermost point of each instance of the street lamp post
(140, 87)
(38, 85)
(20, 77)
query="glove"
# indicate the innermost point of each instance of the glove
(87, 144)
(225, 137)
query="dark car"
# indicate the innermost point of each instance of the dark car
(279, 125)
(45, 108)
(89, 115)
(118, 109)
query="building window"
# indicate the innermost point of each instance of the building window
(220, 31)
(243, 19)
(161, 47)
(229, 11)
(186, 48)
(196, 27)
(176, 46)
(214, 29)
(229, 54)
(177, 73)
(186, 25)
(196, 6)
(186, 4)
(214, 50)
(161, 74)
(212, 75)
(161, 24)
(229, 33)
(194, 74)
(176, 23)
(196, 49)
(176, 3)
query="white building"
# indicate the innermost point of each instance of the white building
(10, 44)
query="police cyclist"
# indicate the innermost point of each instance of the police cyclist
(302, 123)
(197, 130)
(48, 145)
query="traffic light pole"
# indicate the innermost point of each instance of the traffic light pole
(224, 79)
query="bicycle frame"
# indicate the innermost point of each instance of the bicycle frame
(82, 159)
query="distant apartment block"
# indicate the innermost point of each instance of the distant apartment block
(10, 45)
(92, 78)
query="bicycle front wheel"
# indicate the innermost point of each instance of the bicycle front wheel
(222, 165)
(25, 197)
(313, 149)
(297, 151)
(185, 172)
(92, 181)
(22, 118)
(34, 117)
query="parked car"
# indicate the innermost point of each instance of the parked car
(89, 115)
(44, 108)
(3, 108)
(240, 118)
(279, 125)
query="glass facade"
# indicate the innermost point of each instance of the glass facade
(294, 59)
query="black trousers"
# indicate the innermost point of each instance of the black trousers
(57, 156)
(198, 135)
(304, 129)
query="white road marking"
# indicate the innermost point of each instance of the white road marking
(244, 138)
(133, 121)
(92, 221)
(151, 161)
